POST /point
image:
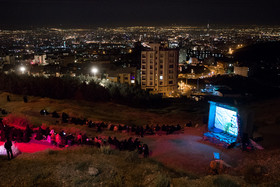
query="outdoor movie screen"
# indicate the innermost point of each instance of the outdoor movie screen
(226, 120)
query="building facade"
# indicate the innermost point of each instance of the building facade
(242, 71)
(159, 70)
(123, 75)
(40, 59)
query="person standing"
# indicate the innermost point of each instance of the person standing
(8, 147)
(25, 99)
(146, 150)
(8, 98)
(58, 140)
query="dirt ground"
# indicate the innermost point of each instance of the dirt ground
(188, 152)
(184, 151)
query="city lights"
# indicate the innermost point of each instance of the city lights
(22, 69)
(87, 97)
(230, 51)
(94, 70)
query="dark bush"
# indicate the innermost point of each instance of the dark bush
(73, 88)
(222, 181)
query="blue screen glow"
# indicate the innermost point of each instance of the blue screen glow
(226, 120)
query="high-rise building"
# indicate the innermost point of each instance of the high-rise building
(182, 56)
(40, 59)
(159, 70)
(10, 59)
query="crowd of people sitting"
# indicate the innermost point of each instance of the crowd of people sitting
(141, 131)
(3, 111)
(63, 139)
(15, 134)
(100, 126)
(130, 145)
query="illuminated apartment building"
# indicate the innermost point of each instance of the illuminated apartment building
(159, 70)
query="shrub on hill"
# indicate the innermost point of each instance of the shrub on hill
(16, 121)
(73, 88)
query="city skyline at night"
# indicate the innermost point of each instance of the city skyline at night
(139, 93)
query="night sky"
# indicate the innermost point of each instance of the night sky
(137, 12)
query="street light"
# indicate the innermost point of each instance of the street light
(94, 70)
(22, 69)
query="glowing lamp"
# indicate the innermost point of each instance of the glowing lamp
(94, 70)
(22, 69)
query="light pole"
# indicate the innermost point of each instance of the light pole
(94, 70)
(22, 69)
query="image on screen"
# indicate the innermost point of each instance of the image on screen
(226, 120)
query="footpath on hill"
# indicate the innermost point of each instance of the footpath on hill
(188, 152)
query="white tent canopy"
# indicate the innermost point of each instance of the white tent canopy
(15, 150)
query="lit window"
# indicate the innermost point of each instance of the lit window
(160, 77)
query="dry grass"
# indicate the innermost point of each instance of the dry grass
(108, 112)
(70, 168)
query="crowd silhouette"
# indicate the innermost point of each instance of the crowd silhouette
(63, 139)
